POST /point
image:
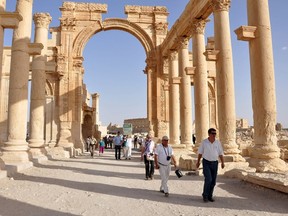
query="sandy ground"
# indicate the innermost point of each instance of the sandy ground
(105, 186)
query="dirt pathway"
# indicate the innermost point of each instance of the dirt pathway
(105, 186)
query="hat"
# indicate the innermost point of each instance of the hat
(165, 138)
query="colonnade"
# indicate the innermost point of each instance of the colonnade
(265, 155)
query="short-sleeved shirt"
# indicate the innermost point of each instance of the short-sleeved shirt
(117, 140)
(210, 151)
(162, 153)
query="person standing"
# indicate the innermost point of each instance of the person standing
(163, 155)
(128, 147)
(117, 141)
(210, 149)
(147, 153)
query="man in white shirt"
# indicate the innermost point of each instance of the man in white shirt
(163, 155)
(210, 149)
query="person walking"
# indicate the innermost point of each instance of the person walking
(163, 156)
(147, 153)
(117, 141)
(210, 149)
(92, 145)
(101, 146)
(128, 147)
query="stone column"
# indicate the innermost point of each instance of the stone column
(174, 102)
(149, 73)
(95, 105)
(265, 155)
(200, 82)
(38, 101)
(15, 149)
(185, 94)
(225, 79)
(3, 105)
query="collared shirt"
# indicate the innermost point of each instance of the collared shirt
(210, 151)
(117, 140)
(162, 153)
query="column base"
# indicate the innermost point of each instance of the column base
(57, 153)
(15, 157)
(234, 158)
(13, 168)
(38, 155)
(275, 165)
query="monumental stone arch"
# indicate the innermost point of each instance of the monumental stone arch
(57, 79)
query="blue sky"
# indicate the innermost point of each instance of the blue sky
(114, 60)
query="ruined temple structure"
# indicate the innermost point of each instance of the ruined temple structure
(57, 113)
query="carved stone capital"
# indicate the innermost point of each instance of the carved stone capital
(68, 23)
(77, 62)
(198, 26)
(42, 20)
(173, 55)
(221, 5)
(183, 43)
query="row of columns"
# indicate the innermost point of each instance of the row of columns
(16, 150)
(224, 83)
(265, 155)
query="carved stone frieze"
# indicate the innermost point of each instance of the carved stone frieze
(221, 5)
(145, 9)
(161, 28)
(165, 65)
(42, 20)
(73, 6)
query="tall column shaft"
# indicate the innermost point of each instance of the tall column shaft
(174, 101)
(200, 83)
(15, 149)
(225, 78)
(95, 104)
(37, 107)
(265, 154)
(185, 94)
(3, 103)
(149, 98)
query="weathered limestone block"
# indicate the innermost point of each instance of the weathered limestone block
(57, 153)
(274, 181)
(187, 162)
(283, 145)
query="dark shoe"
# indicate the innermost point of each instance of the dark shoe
(211, 199)
(205, 200)
(166, 194)
(152, 177)
(162, 191)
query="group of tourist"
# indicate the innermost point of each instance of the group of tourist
(92, 145)
(162, 156)
(124, 143)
